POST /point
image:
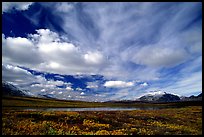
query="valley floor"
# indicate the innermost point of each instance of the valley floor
(172, 121)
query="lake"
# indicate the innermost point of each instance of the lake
(92, 109)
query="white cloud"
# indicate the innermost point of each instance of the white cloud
(64, 7)
(46, 83)
(82, 93)
(92, 85)
(56, 83)
(118, 84)
(54, 65)
(144, 84)
(35, 84)
(43, 85)
(93, 58)
(8, 6)
(43, 90)
(69, 88)
(38, 85)
(79, 89)
(16, 69)
(44, 36)
(50, 54)
(60, 77)
(155, 93)
(15, 74)
(53, 92)
(20, 51)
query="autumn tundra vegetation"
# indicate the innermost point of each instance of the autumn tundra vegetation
(186, 120)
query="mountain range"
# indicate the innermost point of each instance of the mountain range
(161, 97)
(154, 97)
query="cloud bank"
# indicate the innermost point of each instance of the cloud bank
(50, 54)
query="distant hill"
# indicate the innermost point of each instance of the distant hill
(200, 95)
(125, 101)
(192, 98)
(11, 90)
(47, 96)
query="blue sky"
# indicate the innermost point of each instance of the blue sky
(102, 51)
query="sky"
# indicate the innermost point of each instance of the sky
(102, 51)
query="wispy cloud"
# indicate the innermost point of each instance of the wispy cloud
(158, 44)
(9, 6)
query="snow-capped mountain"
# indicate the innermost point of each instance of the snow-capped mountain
(159, 96)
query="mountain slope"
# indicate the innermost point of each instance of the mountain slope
(168, 98)
(160, 97)
(11, 90)
(193, 98)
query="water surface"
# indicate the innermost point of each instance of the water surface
(94, 108)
